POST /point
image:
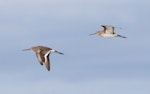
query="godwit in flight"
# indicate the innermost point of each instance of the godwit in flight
(42, 54)
(108, 32)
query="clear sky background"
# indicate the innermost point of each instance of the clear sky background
(91, 64)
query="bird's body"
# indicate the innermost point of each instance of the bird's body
(42, 54)
(107, 32)
(106, 35)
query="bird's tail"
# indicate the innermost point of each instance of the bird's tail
(121, 36)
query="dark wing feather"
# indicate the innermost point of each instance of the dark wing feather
(104, 28)
(109, 29)
(40, 57)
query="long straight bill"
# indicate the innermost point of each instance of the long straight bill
(26, 49)
(92, 34)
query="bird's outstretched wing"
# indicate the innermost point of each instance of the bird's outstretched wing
(40, 57)
(47, 60)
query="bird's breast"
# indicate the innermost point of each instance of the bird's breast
(108, 35)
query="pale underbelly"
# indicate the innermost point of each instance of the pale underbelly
(109, 35)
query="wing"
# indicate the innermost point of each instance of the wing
(47, 63)
(109, 29)
(40, 57)
(47, 60)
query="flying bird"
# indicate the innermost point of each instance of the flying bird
(42, 54)
(108, 32)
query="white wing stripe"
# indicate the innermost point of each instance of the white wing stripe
(45, 56)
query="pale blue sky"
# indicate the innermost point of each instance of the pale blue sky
(91, 64)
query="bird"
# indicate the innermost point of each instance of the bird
(107, 32)
(43, 53)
